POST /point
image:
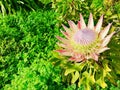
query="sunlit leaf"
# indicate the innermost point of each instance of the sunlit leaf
(101, 82)
(69, 70)
(75, 77)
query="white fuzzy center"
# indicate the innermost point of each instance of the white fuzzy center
(84, 36)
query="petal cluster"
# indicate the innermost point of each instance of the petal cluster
(83, 42)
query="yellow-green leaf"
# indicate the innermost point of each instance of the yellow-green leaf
(80, 81)
(101, 82)
(114, 16)
(69, 70)
(92, 79)
(75, 77)
(88, 87)
(107, 68)
(80, 66)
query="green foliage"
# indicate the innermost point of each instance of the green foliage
(45, 1)
(97, 3)
(70, 9)
(23, 38)
(107, 8)
(114, 55)
(87, 74)
(41, 75)
(11, 6)
(117, 6)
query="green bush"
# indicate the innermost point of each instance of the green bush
(23, 38)
(70, 10)
(41, 75)
(11, 6)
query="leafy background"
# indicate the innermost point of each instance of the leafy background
(27, 38)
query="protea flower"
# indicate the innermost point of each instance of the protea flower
(83, 42)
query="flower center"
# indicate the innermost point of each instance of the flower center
(84, 36)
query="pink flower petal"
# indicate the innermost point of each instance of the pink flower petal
(103, 49)
(82, 22)
(77, 55)
(107, 39)
(73, 26)
(104, 32)
(61, 39)
(88, 57)
(79, 25)
(91, 22)
(95, 56)
(65, 34)
(61, 45)
(76, 59)
(99, 24)
(66, 29)
(72, 58)
(60, 51)
(64, 52)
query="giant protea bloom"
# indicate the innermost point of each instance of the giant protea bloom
(83, 42)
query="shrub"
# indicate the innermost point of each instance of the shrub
(41, 75)
(12, 6)
(70, 9)
(23, 38)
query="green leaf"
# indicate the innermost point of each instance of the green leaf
(114, 16)
(54, 59)
(107, 68)
(92, 79)
(88, 87)
(69, 70)
(75, 77)
(108, 12)
(101, 82)
(57, 63)
(97, 3)
(116, 66)
(80, 82)
(79, 66)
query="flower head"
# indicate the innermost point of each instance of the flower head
(83, 42)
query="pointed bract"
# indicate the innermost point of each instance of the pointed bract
(107, 39)
(104, 32)
(99, 24)
(103, 49)
(64, 52)
(65, 34)
(61, 39)
(79, 25)
(66, 29)
(95, 56)
(61, 45)
(82, 22)
(73, 26)
(91, 22)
